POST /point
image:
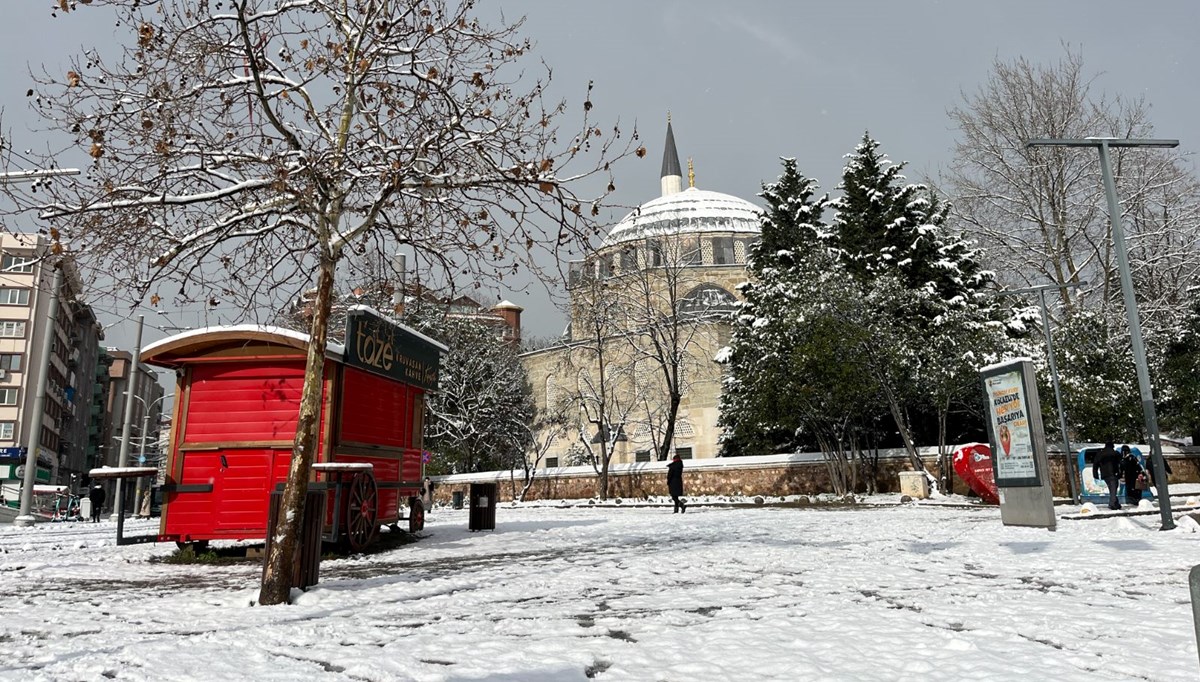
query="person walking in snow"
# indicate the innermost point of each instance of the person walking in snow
(1131, 470)
(1107, 466)
(427, 493)
(675, 484)
(97, 495)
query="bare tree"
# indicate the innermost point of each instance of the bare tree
(597, 357)
(549, 424)
(1042, 210)
(245, 148)
(671, 321)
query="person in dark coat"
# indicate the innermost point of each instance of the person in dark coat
(1131, 468)
(675, 484)
(1107, 466)
(97, 495)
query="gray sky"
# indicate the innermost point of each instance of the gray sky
(748, 82)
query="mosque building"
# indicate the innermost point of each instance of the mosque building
(649, 310)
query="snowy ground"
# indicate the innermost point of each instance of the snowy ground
(912, 592)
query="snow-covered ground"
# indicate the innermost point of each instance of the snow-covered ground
(905, 592)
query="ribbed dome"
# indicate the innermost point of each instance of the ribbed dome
(692, 211)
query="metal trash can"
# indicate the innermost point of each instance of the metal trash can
(456, 499)
(307, 569)
(483, 507)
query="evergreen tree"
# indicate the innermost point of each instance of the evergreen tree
(1178, 390)
(893, 239)
(755, 410)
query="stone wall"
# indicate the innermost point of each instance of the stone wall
(767, 476)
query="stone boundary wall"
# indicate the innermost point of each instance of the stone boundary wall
(772, 475)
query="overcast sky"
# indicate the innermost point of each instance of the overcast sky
(748, 82)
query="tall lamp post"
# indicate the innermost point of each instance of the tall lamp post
(1103, 144)
(146, 408)
(1062, 415)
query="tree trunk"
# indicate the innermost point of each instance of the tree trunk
(276, 581)
(897, 411)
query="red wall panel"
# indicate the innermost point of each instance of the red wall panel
(375, 410)
(233, 402)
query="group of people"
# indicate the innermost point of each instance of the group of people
(1112, 467)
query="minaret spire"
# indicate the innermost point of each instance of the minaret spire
(672, 176)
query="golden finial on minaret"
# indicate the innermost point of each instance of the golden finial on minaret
(691, 173)
(668, 115)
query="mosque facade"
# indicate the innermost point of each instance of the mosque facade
(649, 310)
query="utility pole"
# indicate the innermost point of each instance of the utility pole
(34, 438)
(1062, 415)
(1131, 310)
(127, 423)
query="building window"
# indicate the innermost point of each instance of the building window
(691, 254)
(8, 396)
(683, 428)
(684, 453)
(12, 329)
(629, 260)
(15, 263)
(551, 462)
(656, 254)
(10, 361)
(7, 430)
(641, 456)
(723, 251)
(12, 296)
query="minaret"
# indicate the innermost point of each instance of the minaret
(672, 176)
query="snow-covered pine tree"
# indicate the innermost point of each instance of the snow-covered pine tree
(891, 233)
(754, 391)
(1178, 390)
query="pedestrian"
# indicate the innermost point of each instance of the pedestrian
(675, 484)
(1107, 466)
(427, 493)
(97, 495)
(1133, 472)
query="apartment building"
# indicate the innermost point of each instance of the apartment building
(61, 447)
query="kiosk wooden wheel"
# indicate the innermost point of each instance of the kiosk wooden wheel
(416, 514)
(362, 509)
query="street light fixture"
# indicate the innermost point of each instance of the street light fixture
(146, 407)
(1131, 310)
(1062, 415)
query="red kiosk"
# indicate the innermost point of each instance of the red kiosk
(237, 401)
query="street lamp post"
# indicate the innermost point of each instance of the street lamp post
(146, 408)
(1062, 415)
(127, 421)
(1103, 144)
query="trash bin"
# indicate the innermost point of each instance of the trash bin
(456, 499)
(483, 507)
(307, 568)
(85, 509)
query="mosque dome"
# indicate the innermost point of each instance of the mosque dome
(692, 211)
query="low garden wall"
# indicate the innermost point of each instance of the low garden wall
(772, 475)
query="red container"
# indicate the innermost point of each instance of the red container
(237, 401)
(973, 463)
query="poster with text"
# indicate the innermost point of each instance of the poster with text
(1009, 412)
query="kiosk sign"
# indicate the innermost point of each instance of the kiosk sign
(384, 347)
(1013, 461)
